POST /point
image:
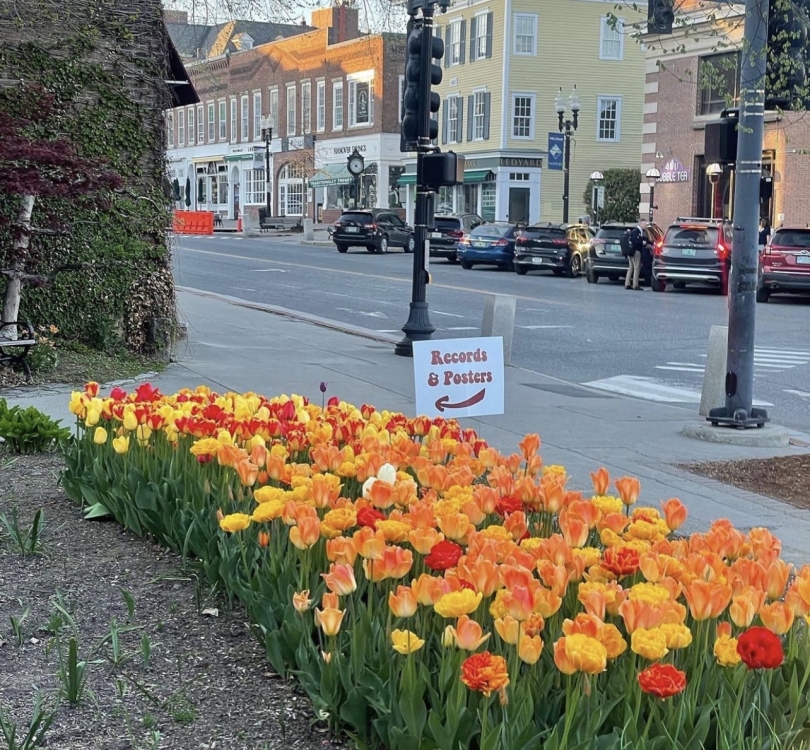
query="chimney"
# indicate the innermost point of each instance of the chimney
(342, 21)
(175, 16)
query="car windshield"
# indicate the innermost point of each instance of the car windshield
(447, 222)
(544, 233)
(611, 233)
(492, 230)
(692, 236)
(791, 238)
(358, 217)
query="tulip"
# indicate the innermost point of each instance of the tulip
(706, 599)
(458, 603)
(508, 628)
(403, 602)
(406, 642)
(91, 420)
(100, 436)
(468, 634)
(120, 444)
(130, 421)
(745, 606)
(306, 533)
(340, 579)
(651, 644)
(601, 481)
(530, 648)
(674, 513)
(330, 617)
(777, 617)
(628, 489)
(263, 539)
(234, 522)
(301, 601)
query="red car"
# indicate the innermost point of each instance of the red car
(784, 264)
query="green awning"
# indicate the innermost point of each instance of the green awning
(331, 174)
(406, 179)
(239, 157)
(477, 175)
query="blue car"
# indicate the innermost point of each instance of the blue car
(489, 244)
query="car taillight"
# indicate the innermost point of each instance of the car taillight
(559, 242)
(464, 240)
(522, 240)
(659, 247)
(502, 242)
(775, 249)
(455, 233)
(372, 227)
(722, 250)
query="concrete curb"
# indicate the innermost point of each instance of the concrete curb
(769, 436)
(334, 325)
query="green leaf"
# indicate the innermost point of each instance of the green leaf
(96, 511)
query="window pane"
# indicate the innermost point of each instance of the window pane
(611, 40)
(608, 119)
(522, 117)
(524, 35)
(717, 80)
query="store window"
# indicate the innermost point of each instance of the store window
(488, 201)
(255, 186)
(291, 190)
(718, 82)
(609, 110)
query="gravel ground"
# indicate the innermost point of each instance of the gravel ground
(207, 683)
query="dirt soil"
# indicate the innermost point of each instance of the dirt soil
(206, 685)
(786, 478)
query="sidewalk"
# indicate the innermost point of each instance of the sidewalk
(239, 347)
(320, 234)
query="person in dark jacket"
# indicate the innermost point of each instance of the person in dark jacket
(764, 231)
(638, 243)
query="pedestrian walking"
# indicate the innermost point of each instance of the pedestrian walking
(764, 231)
(638, 243)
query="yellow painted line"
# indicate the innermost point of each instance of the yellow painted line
(309, 267)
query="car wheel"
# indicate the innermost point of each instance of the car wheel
(466, 265)
(341, 248)
(411, 244)
(763, 295)
(383, 246)
(592, 277)
(658, 285)
(520, 270)
(452, 259)
(574, 267)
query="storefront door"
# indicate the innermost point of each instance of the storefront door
(519, 205)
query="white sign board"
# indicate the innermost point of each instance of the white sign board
(459, 377)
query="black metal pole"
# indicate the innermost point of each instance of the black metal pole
(566, 169)
(268, 137)
(418, 327)
(738, 410)
(652, 203)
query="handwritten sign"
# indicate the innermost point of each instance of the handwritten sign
(459, 377)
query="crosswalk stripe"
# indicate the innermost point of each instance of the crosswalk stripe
(649, 389)
(798, 352)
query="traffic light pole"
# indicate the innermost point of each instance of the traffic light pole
(418, 326)
(739, 387)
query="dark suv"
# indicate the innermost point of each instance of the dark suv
(376, 229)
(784, 264)
(448, 230)
(694, 251)
(605, 253)
(559, 248)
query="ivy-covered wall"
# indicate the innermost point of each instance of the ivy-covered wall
(105, 63)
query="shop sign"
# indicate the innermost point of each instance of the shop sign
(459, 377)
(362, 103)
(514, 161)
(674, 171)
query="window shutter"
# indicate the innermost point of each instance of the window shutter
(470, 116)
(490, 16)
(473, 35)
(460, 123)
(463, 37)
(445, 107)
(486, 115)
(447, 37)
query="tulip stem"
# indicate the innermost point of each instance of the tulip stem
(571, 701)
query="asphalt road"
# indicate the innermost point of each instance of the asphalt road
(648, 345)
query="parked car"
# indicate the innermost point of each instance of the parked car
(448, 230)
(784, 264)
(559, 248)
(693, 251)
(376, 229)
(605, 253)
(488, 244)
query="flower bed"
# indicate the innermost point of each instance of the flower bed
(431, 592)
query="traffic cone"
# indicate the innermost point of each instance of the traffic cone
(239, 224)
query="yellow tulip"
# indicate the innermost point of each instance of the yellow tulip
(144, 432)
(725, 651)
(406, 642)
(91, 420)
(120, 444)
(651, 644)
(458, 603)
(676, 634)
(234, 522)
(100, 436)
(530, 648)
(130, 421)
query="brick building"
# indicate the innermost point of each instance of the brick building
(690, 80)
(325, 92)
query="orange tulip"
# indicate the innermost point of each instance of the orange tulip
(455, 526)
(529, 445)
(575, 531)
(263, 539)
(777, 617)
(515, 524)
(555, 577)
(247, 471)
(764, 543)
(306, 533)
(329, 620)
(403, 603)
(776, 578)
(513, 575)
(341, 550)
(674, 513)
(423, 539)
(561, 660)
(707, 599)
(508, 628)
(529, 648)
(429, 589)
(546, 603)
(340, 579)
(601, 481)
(301, 601)
(468, 634)
(519, 602)
(594, 600)
(552, 492)
(745, 606)
(482, 574)
(369, 543)
(798, 595)
(628, 489)
(638, 614)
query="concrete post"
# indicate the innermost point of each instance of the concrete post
(499, 320)
(309, 230)
(713, 394)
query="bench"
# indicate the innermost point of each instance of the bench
(16, 340)
(279, 223)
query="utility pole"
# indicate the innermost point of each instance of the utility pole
(739, 386)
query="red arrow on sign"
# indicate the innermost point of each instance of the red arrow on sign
(443, 402)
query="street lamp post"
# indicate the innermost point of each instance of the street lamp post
(267, 134)
(713, 172)
(596, 178)
(653, 175)
(573, 103)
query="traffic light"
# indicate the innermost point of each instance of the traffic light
(417, 89)
(660, 16)
(786, 79)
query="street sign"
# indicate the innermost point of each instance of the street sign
(556, 149)
(600, 196)
(459, 377)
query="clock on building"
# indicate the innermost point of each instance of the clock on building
(356, 163)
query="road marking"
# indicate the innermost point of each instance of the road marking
(799, 352)
(803, 395)
(451, 315)
(678, 368)
(462, 328)
(269, 270)
(362, 312)
(649, 389)
(537, 328)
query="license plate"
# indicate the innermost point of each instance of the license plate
(803, 259)
(353, 229)
(436, 235)
(611, 248)
(479, 244)
(689, 252)
(537, 261)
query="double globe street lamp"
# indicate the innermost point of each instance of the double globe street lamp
(267, 135)
(572, 102)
